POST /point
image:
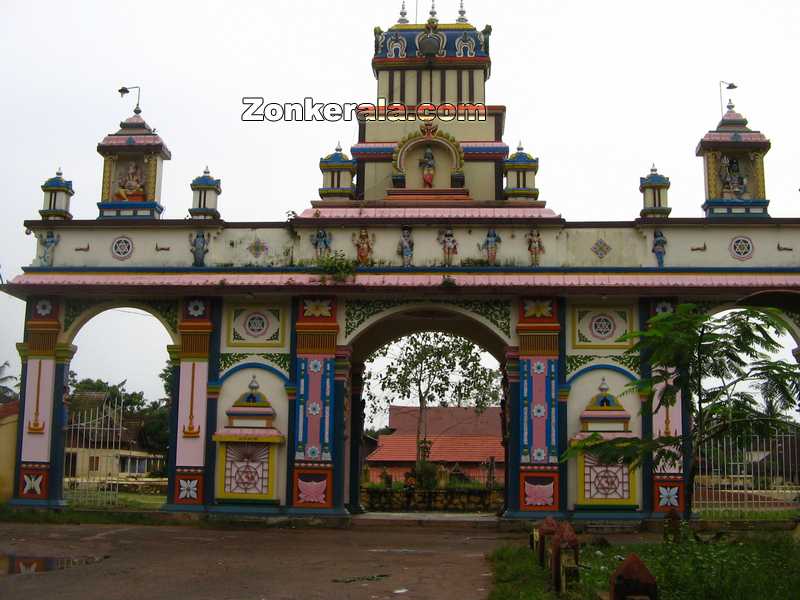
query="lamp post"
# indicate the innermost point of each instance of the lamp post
(126, 90)
(728, 86)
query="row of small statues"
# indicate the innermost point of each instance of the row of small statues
(365, 246)
(364, 242)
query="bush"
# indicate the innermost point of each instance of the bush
(425, 473)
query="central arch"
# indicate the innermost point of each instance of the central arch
(393, 324)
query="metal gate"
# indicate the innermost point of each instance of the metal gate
(748, 474)
(92, 454)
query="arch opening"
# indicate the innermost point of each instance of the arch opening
(388, 470)
(119, 389)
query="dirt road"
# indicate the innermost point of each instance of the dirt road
(175, 563)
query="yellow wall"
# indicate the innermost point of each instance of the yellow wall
(8, 452)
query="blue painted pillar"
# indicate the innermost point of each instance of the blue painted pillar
(173, 422)
(356, 434)
(647, 415)
(58, 431)
(210, 488)
(513, 445)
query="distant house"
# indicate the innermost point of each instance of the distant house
(461, 440)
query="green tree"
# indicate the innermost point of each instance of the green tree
(167, 377)
(132, 402)
(713, 363)
(7, 384)
(431, 368)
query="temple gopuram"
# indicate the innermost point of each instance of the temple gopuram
(426, 223)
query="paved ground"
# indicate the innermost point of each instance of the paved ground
(174, 563)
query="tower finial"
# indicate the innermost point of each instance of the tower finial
(207, 173)
(338, 146)
(462, 14)
(519, 146)
(58, 172)
(433, 10)
(653, 169)
(730, 105)
(403, 14)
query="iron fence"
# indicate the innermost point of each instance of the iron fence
(92, 461)
(748, 473)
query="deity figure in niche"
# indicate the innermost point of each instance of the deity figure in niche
(659, 247)
(198, 243)
(447, 240)
(732, 177)
(428, 165)
(364, 243)
(49, 241)
(130, 186)
(405, 247)
(535, 246)
(321, 240)
(490, 246)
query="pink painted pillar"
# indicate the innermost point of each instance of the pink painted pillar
(191, 435)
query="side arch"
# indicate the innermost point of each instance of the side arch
(77, 314)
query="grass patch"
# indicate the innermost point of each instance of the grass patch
(756, 566)
(516, 576)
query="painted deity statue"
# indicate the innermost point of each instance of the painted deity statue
(490, 246)
(447, 240)
(535, 246)
(49, 241)
(321, 240)
(732, 178)
(130, 187)
(405, 247)
(364, 243)
(428, 165)
(198, 244)
(659, 247)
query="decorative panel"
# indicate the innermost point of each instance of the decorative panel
(605, 484)
(255, 326)
(538, 490)
(601, 327)
(313, 488)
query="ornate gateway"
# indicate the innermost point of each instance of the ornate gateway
(432, 224)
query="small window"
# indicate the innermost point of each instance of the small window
(94, 463)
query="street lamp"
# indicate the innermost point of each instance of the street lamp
(728, 86)
(126, 90)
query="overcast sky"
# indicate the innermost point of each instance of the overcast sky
(597, 90)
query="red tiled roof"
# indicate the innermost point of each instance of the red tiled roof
(451, 420)
(9, 408)
(444, 448)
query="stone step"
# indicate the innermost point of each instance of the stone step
(600, 527)
(426, 519)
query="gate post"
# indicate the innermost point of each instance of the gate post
(318, 473)
(40, 436)
(187, 472)
(539, 409)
